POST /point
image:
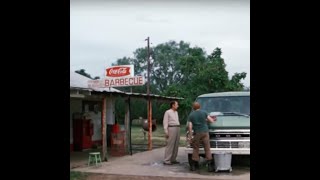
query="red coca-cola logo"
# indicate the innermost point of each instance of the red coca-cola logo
(118, 71)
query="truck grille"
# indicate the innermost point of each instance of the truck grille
(228, 140)
(227, 144)
(228, 135)
(224, 144)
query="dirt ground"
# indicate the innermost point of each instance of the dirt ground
(149, 165)
(129, 177)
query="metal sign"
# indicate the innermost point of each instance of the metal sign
(119, 71)
(117, 82)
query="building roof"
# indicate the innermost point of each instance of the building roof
(231, 93)
(80, 82)
(141, 95)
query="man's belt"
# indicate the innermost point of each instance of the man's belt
(173, 125)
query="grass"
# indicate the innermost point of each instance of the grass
(77, 175)
(158, 136)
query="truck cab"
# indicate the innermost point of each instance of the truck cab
(231, 131)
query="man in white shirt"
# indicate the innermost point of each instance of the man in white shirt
(171, 127)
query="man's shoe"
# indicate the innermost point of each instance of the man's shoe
(210, 166)
(194, 165)
(175, 162)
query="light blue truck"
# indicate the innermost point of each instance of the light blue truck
(231, 132)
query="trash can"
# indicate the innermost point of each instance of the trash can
(222, 161)
(118, 144)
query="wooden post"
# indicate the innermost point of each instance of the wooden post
(150, 124)
(104, 129)
(127, 124)
(149, 101)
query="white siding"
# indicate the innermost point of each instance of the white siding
(110, 110)
(96, 120)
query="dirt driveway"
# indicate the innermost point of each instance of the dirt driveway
(148, 165)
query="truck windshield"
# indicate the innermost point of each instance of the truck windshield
(234, 104)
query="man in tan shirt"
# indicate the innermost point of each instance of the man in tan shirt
(171, 126)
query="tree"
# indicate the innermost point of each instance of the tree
(165, 67)
(235, 82)
(84, 73)
(180, 70)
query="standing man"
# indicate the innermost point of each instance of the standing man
(171, 126)
(198, 122)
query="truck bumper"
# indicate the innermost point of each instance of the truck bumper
(236, 151)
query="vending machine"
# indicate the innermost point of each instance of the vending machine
(82, 133)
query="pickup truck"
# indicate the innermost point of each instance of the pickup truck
(231, 131)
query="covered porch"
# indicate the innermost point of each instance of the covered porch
(98, 105)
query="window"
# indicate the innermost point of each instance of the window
(239, 104)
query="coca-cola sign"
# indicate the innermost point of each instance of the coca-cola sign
(119, 71)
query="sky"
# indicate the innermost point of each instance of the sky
(103, 31)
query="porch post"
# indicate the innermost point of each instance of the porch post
(127, 124)
(104, 129)
(150, 124)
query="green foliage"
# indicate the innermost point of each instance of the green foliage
(179, 70)
(84, 73)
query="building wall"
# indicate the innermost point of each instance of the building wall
(110, 110)
(96, 120)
